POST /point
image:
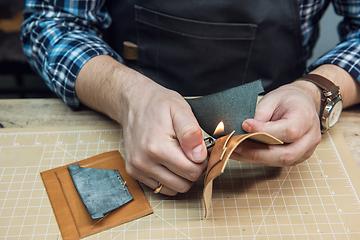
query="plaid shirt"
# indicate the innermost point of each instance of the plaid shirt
(61, 36)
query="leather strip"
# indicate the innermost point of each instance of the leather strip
(319, 81)
(222, 151)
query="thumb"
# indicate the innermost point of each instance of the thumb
(189, 135)
(253, 125)
(264, 113)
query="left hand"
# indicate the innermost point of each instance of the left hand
(289, 113)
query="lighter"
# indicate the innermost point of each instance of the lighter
(209, 142)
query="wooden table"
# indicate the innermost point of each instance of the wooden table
(25, 113)
(314, 200)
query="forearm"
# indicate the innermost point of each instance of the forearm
(98, 81)
(349, 87)
(108, 86)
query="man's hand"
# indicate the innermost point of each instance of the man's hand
(162, 139)
(289, 113)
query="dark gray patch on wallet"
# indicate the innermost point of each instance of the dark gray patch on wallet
(101, 190)
(232, 106)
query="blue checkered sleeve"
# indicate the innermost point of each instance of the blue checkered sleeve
(59, 38)
(347, 53)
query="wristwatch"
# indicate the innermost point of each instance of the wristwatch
(331, 101)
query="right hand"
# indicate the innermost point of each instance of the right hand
(162, 140)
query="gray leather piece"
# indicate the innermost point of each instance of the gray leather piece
(101, 190)
(232, 106)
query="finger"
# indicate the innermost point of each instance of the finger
(174, 159)
(165, 152)
(278, 155)
(288, 129)
(238, 157)
(265, 109)
(189, 134)
(285, 119)
(167, 191)
(306, 156)
(173, 182)
(153, 184)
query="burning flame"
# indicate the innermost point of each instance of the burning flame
(219, 129)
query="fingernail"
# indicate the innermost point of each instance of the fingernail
(246, 127)
(198, 153)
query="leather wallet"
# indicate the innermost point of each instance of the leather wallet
(101, 190)
(73, 219)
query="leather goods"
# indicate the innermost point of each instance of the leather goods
(331, 101)
(220, 154)
(71, 214)
(101, 190)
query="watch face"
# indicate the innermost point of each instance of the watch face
(335, 113)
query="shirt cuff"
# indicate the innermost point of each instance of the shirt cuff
(67, 58)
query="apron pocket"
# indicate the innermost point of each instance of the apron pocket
(192, 57)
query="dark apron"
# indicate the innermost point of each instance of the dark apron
(199, 47)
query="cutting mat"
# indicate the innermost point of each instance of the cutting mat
(318, 199)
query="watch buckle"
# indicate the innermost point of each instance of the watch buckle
(332, 92)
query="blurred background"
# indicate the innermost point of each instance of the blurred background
(17, 80)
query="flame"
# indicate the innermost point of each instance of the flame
(219, 129)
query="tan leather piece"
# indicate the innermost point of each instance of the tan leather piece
(220, 155)
(71, 214)
(130, 51)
